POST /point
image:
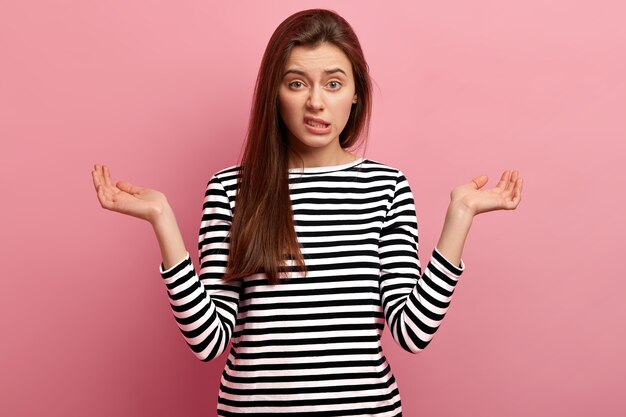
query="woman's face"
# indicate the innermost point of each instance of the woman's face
(315, 98)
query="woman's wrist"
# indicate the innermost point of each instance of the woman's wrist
(169, 237)
(455, 230)
(161, 215)
(460, 211)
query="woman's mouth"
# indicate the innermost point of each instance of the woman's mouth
(315, 125)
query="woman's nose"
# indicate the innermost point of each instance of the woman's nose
(315, 100)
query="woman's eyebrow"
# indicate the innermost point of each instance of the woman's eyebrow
(294, 71)
(303, 73)
(334, 70)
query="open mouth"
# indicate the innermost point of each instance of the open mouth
(320, 124)
(316, 124)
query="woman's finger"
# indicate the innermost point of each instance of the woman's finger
(504, 180)
(128, 187)
(517, 193)
(102, 198)
(512, 181)
(480, 181)
(95, 176)
(107, 176)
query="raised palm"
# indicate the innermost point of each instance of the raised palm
(506, 195)
(126, 198)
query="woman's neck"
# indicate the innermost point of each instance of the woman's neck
(320, 159)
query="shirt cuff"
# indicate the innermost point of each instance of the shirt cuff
(170, 272)
(454, 270)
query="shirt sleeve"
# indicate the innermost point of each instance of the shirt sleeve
(414, 303)
(205, 306)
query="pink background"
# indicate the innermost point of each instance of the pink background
(160, 91)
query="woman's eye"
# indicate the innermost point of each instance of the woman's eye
(334, 85)
(295, 84)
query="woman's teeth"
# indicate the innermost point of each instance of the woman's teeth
(315, 124)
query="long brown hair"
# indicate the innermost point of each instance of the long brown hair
(263, 235)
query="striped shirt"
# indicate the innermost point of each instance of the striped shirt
(311, 345)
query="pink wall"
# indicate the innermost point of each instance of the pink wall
(160, 91)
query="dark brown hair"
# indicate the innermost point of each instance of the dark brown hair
(263, 235)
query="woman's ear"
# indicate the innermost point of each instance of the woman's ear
(354, 100)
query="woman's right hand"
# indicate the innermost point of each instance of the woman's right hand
(127, 198)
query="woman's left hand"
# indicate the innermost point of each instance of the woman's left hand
(506, 195)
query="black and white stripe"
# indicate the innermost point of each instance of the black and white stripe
(310, 345)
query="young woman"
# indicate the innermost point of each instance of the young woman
(306, 250)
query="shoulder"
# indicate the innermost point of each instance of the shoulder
(379, 168)
(223, 181)
(226, 176)
(228, 172)
(393, 177)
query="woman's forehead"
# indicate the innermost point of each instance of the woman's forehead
(324, 57)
